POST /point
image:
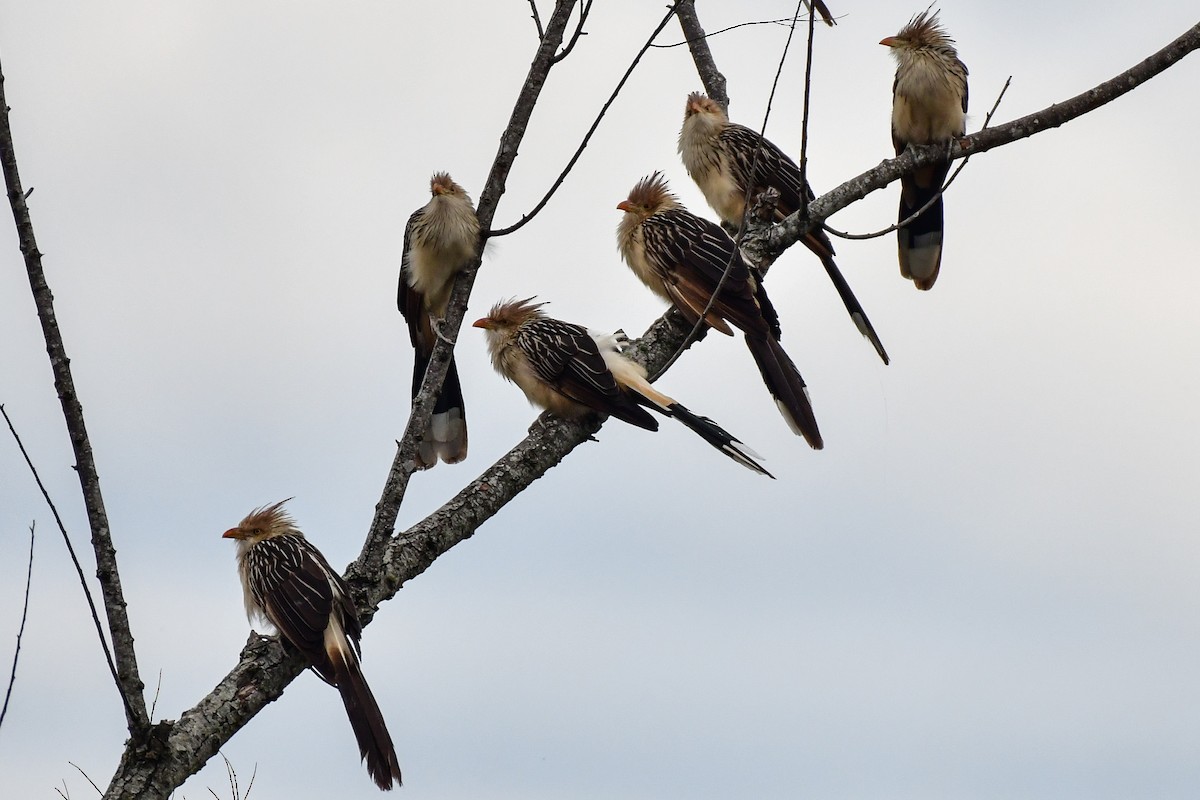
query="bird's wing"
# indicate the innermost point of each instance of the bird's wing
(411, 302)
(566, 358)
(293, 584)
(692, 253)
(772, 168)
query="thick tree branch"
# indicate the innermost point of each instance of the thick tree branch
(129, 684)
(155, 766)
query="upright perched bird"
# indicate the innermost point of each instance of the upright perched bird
(681, 257)
(288, 583)
(573, 371)
(929, 105)
(440, 239)
(732, 165)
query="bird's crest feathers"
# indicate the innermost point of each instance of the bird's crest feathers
(513, 313)
(442, 183)
(700, 103)
(267, 521)
(651, 195)
(925, 30)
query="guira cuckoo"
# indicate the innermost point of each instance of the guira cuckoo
(288, 583)
(929, 106)
(732, 165)
(573, 371)
(681, 257)
(440, 239)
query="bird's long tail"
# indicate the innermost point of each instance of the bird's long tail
(447, 435)
(719, 438)
(374, 741)
(920, 242)
(823, 248)
(783, 380)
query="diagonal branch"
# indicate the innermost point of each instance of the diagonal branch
(697, 40)
(405, 461)
(106, 555)
(791, 230)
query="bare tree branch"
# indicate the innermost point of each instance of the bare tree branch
(583, 15)
(537, 20)
(697, 39)
(791, 230)
(587, 136)
(12, 678)
(128, 681)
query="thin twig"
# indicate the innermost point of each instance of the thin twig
(929, 203)
(128, 682)
(85, 775)
(108, 657)
(700, 323)
(583, 15)
(808, 61)
(781, 21)
(21, 630)
(75, 559)
(525, 218)
(157, 689)
(537, 20)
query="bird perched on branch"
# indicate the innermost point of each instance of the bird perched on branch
(572, 371)
(682, 257)
(440, 240)
(288, 583)
(732, 165)
(929, 106)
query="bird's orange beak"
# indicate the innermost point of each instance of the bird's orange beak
(482, 322)
(232, 533)
(624, 205)
(890, 41)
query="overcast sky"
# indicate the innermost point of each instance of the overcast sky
(984, 587)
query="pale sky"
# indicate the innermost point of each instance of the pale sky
(984, 587)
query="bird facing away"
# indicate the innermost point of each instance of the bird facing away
(573, 371)
(929, 106)
(440, 239)
(288, 583)
(732, 165)
(681, 257)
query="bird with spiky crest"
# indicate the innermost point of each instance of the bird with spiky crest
(289, 584)
(929, 106)
(733, 165)
(682, 257)
(573, 371)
